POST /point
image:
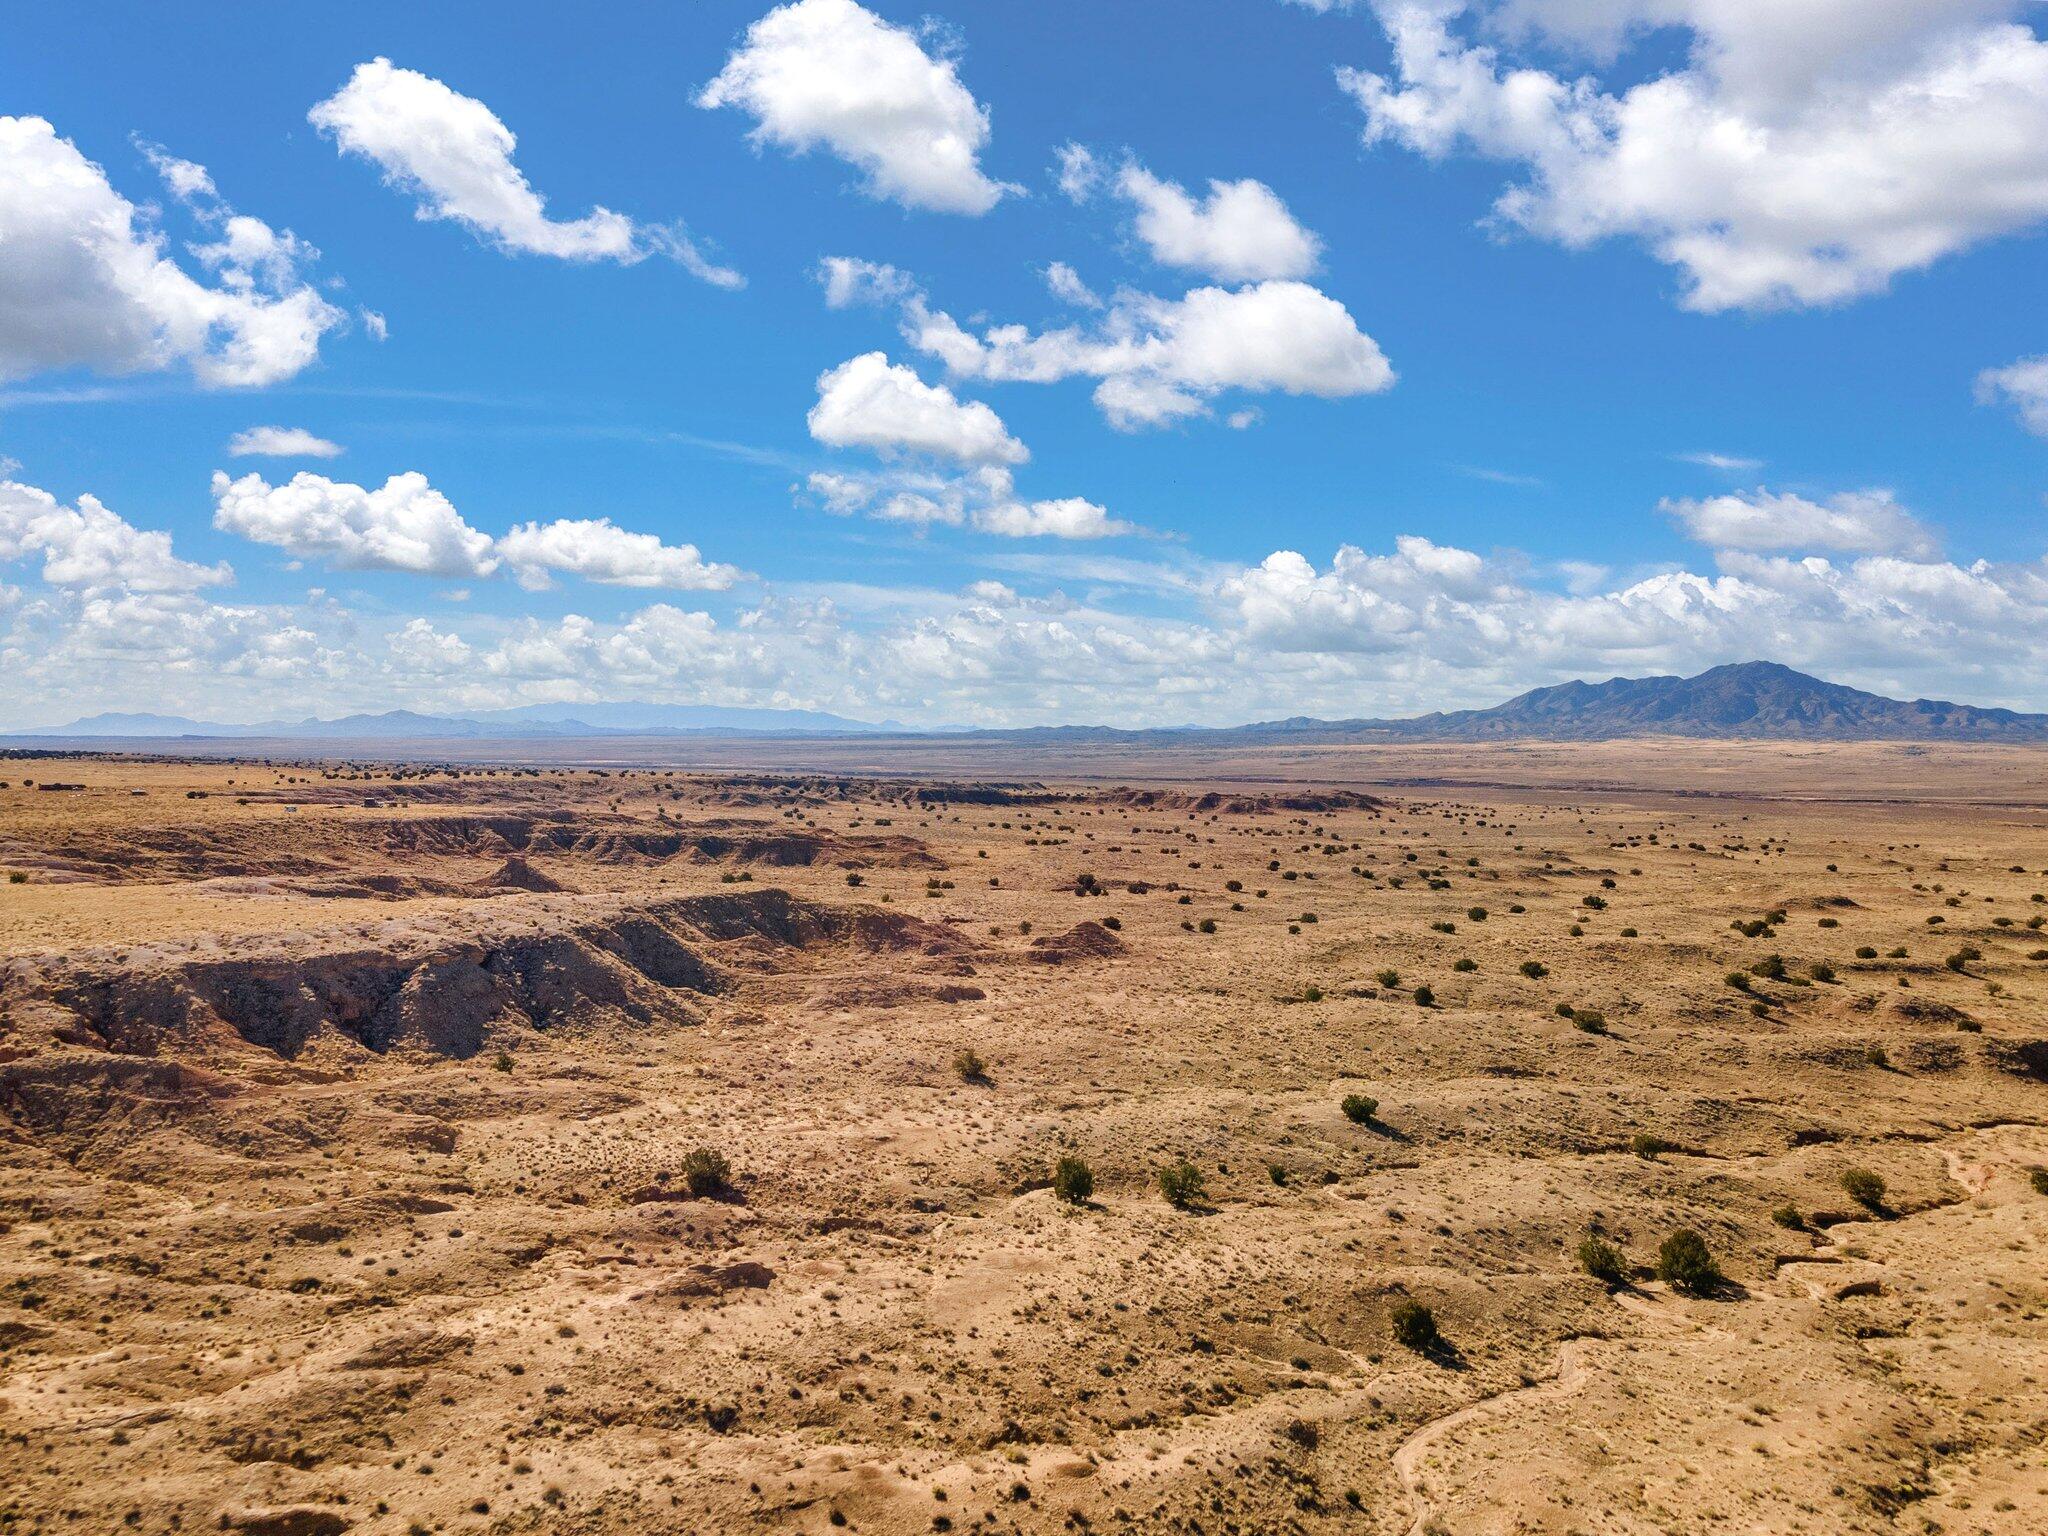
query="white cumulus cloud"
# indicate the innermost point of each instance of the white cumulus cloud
(407, 525)
(1241, 232)
(832, 74)
(91, 548)
(403, 525)
(85, 280)
(2022, 385)
(1161, 360)
(598, 550)
(1869, 522)
(870, 402)
(453, 155)
(1802, 154)
(281, 443)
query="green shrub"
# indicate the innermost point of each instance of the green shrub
(1476, 914)
(1073, 1180)
(971, 1067)
(1685, 1264)
(1602, 1260)
(1389, 978)
(1277, 1174)
(1864, 1187)
(1424, 998)
(2038, 1177)
(1646, 1146)
(706, 1172)
(1181, 1183)
(16, 877)
(502, 1062)
(1535, 970)
(1821, 971)
(1359, 1109)
(1788, 1216)
(1207, 925)
(1865, 952)
(1414, 1327)
(1464, 965)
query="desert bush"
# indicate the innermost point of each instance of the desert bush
(706, 1172)
(1771, 968)
(502, 1062)
(1738, 980)
(2038, 1178)
(1597, 903)
(1821, 971)
(1476, 914)
(1181, 1184)
(1414, 1327)
(1647, 1146)
(1464, 965)
(1865, 952)
(1277, 1174)
(1535, 970)
(971, 1067)
(1424, 997)
(1788, 1216)
(1685, 1264)
(1864, 1187)
(1073, 1180)
(1207, 925)
(853, 879)
(1389, 978)
(16, 877)
(1602, 1260)
(1359, 1108)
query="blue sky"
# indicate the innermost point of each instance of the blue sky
(1421, 411)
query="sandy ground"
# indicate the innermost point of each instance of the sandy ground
(345, 1117)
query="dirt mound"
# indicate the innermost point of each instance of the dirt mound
(515, 874)
(1083, 941)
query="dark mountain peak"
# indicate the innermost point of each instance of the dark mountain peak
(1757, 699)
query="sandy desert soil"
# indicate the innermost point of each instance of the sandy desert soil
(347, 1118)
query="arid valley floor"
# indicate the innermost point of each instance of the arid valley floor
(347, 1112)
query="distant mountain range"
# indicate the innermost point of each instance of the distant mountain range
(1755, 699)
(527, 721)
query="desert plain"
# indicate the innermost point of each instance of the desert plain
(527, 1146)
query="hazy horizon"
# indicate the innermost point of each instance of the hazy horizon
(1006, 366)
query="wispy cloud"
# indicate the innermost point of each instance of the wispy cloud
(1729, 462)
